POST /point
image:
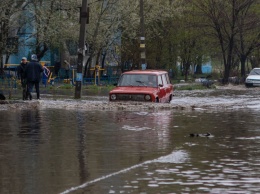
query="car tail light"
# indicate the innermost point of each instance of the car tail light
(147, 97)
(113, 97)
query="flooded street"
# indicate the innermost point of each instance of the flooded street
(94, 146)
(52, 150)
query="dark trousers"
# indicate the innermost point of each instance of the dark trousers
(37, 88)
(25, 89)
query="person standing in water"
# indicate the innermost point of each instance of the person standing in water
(33, 72)
(22, 77)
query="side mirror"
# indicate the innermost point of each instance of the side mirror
(160, 85)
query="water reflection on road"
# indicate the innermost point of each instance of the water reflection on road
(53, 151)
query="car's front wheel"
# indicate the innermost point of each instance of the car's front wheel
(248, 85)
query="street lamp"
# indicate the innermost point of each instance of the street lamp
(142, 36)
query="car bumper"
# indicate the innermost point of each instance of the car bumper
(132, 97)
(252, 83)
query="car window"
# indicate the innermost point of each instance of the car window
(151, 81)
(138, 80)
(160, 82)
(164, 79)
(255, 72)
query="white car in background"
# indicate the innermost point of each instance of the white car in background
(253, 79)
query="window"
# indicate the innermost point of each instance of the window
(255, 72)
(160, 82)
(137, 80)
(164, 79)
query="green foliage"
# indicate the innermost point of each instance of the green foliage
(51, 87)
(66, 86)
(233, 29)
(176, 32)
(97, 88)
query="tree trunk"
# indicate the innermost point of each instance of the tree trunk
(41, 52)
(243, 65)
(86, 67)
(1, 66)
(98, 56)
(186, 67)
(7, 58)
(198, 69)
(103, 62)
(226, 73)
(199, 65)
(103, 59)
(228, 63)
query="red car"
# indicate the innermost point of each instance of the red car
(143, 85)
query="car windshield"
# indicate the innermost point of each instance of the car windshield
(138, 80)
(255, 72)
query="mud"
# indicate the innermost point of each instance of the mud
(223, 97)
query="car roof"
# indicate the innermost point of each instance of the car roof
(257, 68)
(155, 72)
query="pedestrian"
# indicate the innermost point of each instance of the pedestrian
(67, 69)
(33, 72)
(21, 76)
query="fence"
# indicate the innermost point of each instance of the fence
(9, 79)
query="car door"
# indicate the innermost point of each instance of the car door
(169, 86)
(162, 88)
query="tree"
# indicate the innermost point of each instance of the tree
(190, 44)
(224, 21)
(248, 26)
(160, 37)
(53, 22)
(103, 31)
(9, 10)
(161, 25)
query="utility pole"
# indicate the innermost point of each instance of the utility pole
(81, 49)
(142, 36)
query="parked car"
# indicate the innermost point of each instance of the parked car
(253, 79)
(143, 85)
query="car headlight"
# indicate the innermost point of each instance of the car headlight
(249, 80)
(113, 97)
(147, 97)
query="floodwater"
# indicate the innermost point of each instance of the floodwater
(78, 151)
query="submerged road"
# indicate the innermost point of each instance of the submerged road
(80, 146)
(229, 97)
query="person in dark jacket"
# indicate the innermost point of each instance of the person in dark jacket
(21, 76)
(33, 72)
